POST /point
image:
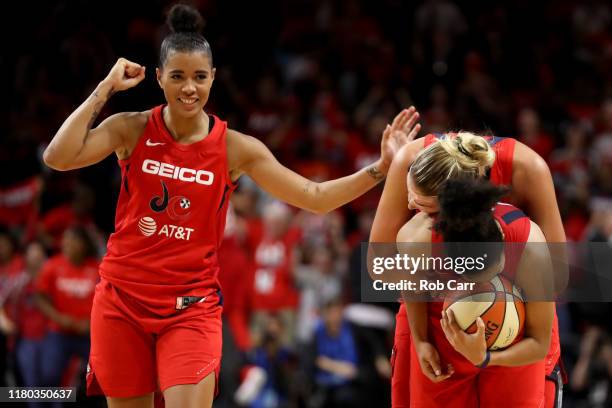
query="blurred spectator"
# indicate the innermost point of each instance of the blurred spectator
(274, 290)
(11, 264)
(235, 278)
(20, 182)
(65, 295)
(335, 359)
(269, 373)
(79, 211)
(320, 281)
(24, 320)
(530, 133)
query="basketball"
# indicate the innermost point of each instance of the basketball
(500, 305)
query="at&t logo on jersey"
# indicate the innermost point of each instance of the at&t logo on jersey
(148, 227)
(203, 177)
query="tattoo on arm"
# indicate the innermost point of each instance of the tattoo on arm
(375, 173)
(307, 187)
(97, 109)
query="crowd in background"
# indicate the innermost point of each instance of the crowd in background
(317, 81)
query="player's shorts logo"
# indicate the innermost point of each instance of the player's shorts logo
(147, 226)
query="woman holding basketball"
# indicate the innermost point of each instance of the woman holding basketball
(156, 318)
(515, 165)
(459, 209)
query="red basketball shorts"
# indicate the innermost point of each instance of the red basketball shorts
(400, 361)
(135, 352)
(469, 386)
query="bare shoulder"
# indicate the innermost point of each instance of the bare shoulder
(536, 234)
(526, 161)
(242, 148)
(417, 229)
(529, 169)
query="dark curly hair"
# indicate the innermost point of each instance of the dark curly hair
(466, 217)
(185, 24)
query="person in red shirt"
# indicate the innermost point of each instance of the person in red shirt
(65, 291)
(156, 319)
(11, 264)
(274, 291)
(79, 211)
(23, 320)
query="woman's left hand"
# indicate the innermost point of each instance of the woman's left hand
(471, 346)
(403, 130)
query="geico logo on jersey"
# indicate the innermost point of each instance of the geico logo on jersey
(178, 173)
(148, 227)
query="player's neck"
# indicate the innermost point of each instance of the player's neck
(184, 130)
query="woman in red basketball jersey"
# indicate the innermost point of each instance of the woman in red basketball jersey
(459, 209)
(516, 165)
(155, 321)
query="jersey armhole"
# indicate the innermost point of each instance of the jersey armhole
(231, 184)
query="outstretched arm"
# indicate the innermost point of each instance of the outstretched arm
(392, 211)
(252, 157)
(75, 144)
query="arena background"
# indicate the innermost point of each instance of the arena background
(317, 81)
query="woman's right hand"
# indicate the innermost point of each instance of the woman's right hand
(124, 75)
(429, 359)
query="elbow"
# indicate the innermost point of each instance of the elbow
(541, 354)
(52, 161)
(318, 204)
(542, 349)
(318, 210)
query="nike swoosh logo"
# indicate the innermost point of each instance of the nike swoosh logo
(151, 144)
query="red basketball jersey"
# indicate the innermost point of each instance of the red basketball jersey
(501, 172)
(170, 217)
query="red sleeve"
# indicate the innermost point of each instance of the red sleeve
(501, 173)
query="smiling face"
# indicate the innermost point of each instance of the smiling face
(419, 201)
(186, 79)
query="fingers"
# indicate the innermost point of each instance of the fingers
(446, 329)
(387, 132)
(430, 373)
(480, 326)
(134, 70)
(402, 118)
(414, 132)
(411, 125)
(399, 118)
(451, 321)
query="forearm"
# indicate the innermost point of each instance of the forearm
(527, 351)
(329, 195)
(70, 139)
(417, 320)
